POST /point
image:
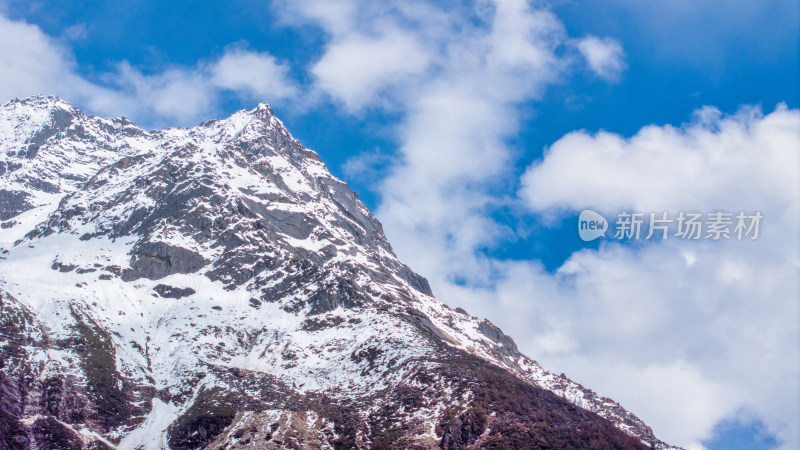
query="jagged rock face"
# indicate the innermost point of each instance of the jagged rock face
(217, 287)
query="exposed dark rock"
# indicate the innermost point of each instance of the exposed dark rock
(9, 166)
(492, 332)
(167, 291)
(418, 282)
(156, 260)
(319, 323)
(296, 225)
(59, 120)
(13, 203)
(424, 323)
(342, 293)
(61, 267)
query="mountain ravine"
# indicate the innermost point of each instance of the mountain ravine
(216, 287)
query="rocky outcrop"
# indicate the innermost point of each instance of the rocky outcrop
(167, 291)
(156, 260)
(13, 203)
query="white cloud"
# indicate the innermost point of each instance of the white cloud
(175, 94)
(187, 95)
(457, 75)
(367, 167)
(684, 333)
(255, 74)
(387, 54)
(604, 56)
(35, 63)
(682, 346)
(740, 161)
(76, 32)
(335, 16)
(357, 69)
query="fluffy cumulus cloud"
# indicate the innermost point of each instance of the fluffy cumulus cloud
(254, 74)
(457, 76)
(35, 63)
(685, 334)
(746, 160)
(359, 68)
(187, 95)
(605, 57)
(23, 48)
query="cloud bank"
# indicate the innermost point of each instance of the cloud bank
(35, 63)
(690, 332)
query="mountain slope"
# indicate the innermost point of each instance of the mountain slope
(217, 287)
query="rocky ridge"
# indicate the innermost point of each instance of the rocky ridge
(217, 287)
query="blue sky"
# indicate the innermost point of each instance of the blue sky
(698, 55)
(446, 117)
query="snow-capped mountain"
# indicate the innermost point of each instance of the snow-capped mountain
(217, 287)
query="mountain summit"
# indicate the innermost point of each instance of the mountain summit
(216, 287)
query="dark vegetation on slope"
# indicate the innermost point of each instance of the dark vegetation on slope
(98, 361)
(504, 412)
(14, 324)
(208, 416)
(520, 415)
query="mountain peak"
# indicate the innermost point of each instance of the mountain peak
(40, 101)
(205, 287)
(264, 107)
